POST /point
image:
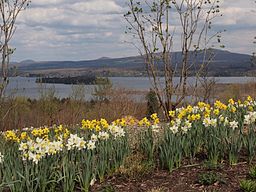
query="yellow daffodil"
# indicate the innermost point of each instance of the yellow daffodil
(231, 101)
(172, 114)
(216, 112)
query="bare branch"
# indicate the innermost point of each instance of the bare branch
(9, 11)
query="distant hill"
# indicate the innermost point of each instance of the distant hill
(224, 63)
(28, 61)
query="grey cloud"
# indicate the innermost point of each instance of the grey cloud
(88, 29)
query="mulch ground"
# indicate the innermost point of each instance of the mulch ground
(184, 179)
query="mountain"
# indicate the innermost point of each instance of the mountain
(223, 63)
(27, 62)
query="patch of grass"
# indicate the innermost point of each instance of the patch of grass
(211, 166)
(209, 178)
(252, 172)
(248, 185)
(135, 166)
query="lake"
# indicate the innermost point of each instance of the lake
(27, 86)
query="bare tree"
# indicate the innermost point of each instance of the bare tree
(253, 58)
(156, 25)
(9, 11)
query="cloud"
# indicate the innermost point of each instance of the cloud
(47, 2)
(90, 13)
(89, 29)
(237, 15)
(95, 7)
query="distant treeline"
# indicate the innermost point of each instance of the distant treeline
(86, 80)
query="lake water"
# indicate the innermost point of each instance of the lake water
(27, 86)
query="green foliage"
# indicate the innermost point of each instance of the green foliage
(213, 144)
(170, 150)
(251, 143)
(252, 172)
(147, 144)
(210, 166)
(65, 171)
(152, 103)
(248, 185)
(209, 178)
(186, 137)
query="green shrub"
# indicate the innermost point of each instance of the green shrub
(209, 178)
(248, 185)
(211, 166)
(252, 172)
(152, 103)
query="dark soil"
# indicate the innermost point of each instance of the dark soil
(183, 179)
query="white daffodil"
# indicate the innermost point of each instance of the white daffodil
(210, 122)
(91, 145)
(177, 122)
(1, 158)
(187, 125)
(75, 142)
(174, 129)
(23, 146)
(214, 122)
(34, 157)
(103, 135)
(94, 137)
(250, 118)
(207, 122)
(233, 124)
(116, 131)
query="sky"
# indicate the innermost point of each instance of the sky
(91, 29)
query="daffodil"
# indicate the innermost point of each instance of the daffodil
(103, 135)
(233, 124)
(172, 114)
(210, 122)
(91, 145)
(174, 129)
(250, 118)
(1, 158)
(75, 142)
(116, 131)
(11, 136)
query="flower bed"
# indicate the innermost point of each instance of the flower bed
(64, 158)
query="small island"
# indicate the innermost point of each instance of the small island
(86, 80)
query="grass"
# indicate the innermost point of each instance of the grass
(209, 178)
(19, 112)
